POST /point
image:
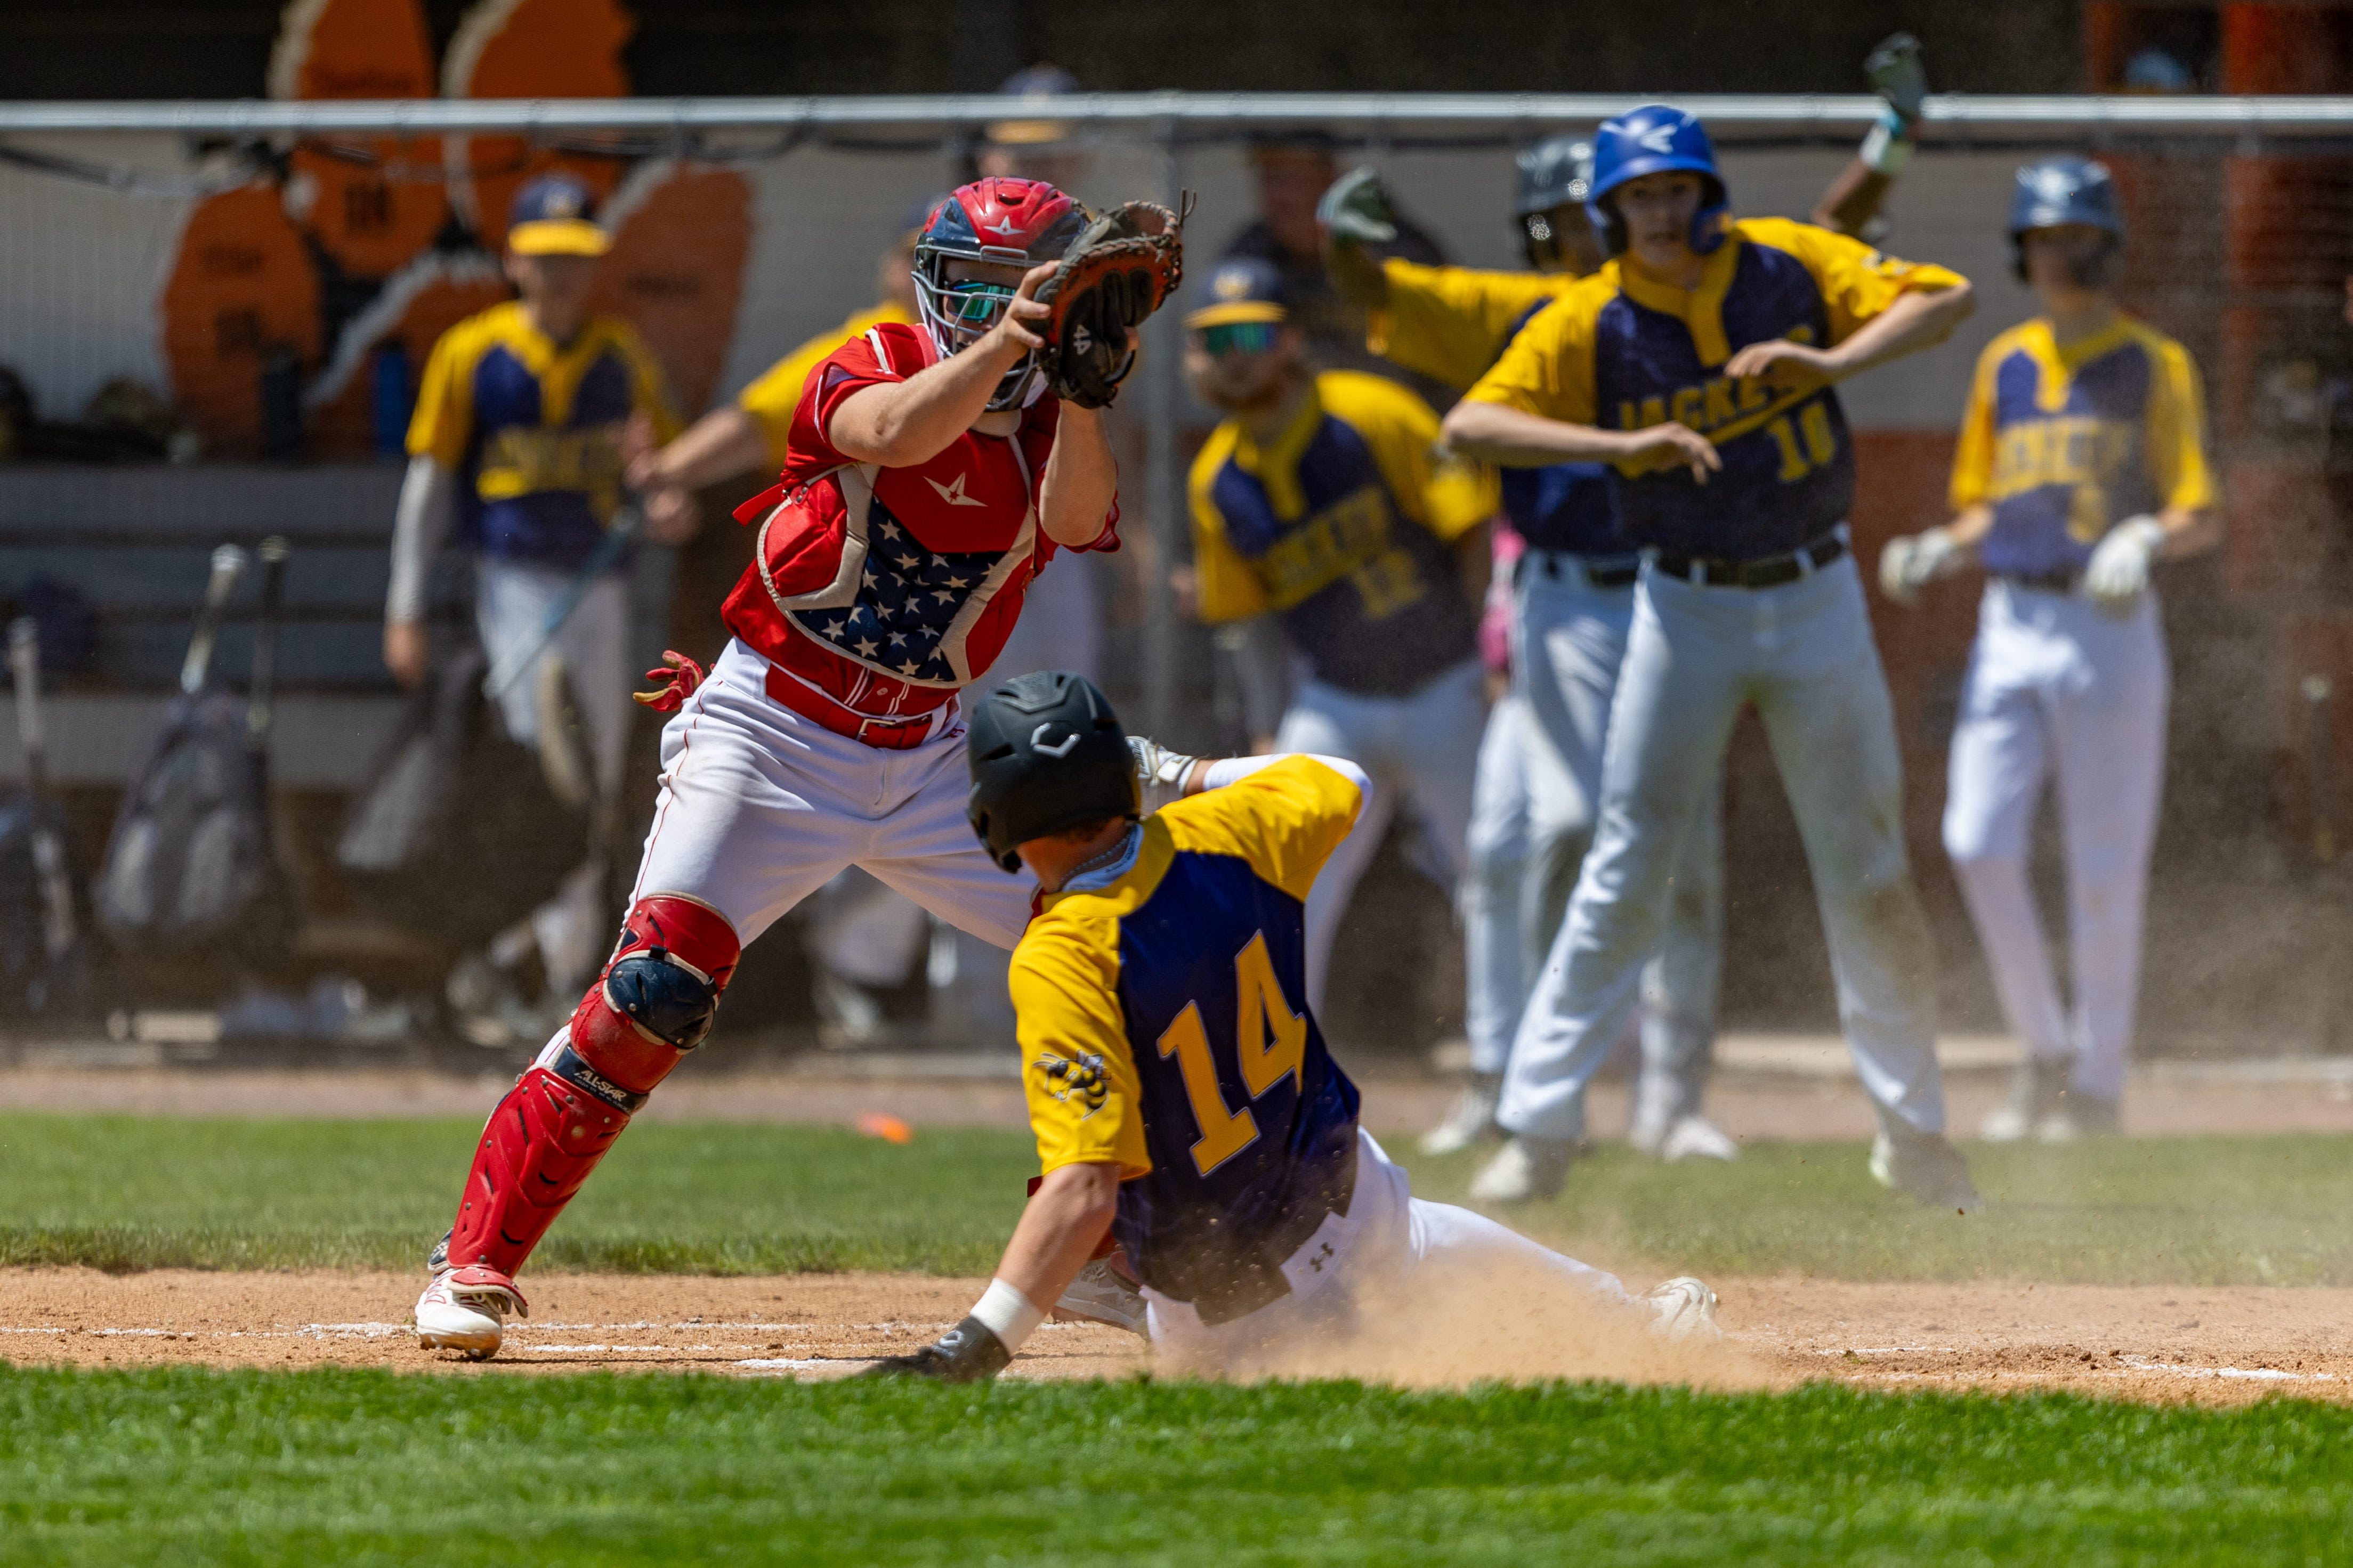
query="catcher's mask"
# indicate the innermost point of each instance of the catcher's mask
(1047, 753)
(1009, 223)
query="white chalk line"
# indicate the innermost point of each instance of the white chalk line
(2118, 1365)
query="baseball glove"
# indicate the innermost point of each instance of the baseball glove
(1116, 273)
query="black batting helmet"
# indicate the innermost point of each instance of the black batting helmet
(1047, 753)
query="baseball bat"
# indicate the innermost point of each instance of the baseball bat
(627, 526)
(2319, 744)
(57, 924)
(228, 565)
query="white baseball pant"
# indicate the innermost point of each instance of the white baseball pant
(2056, 686)
(1422, 747)
(760, 807)
(1391, 1253)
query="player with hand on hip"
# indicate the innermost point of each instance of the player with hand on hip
(1701, 364)
(928, 478)
(1178, 1081)
(2081, 463)
(1321, 499)
(1572, 598)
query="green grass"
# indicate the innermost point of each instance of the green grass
(189, 1466)
(132, 1193)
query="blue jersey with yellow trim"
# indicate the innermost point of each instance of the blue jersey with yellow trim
(1622, 351)
(1165, 1028)
(533, 429)
(1342, 526)
(2065, 442)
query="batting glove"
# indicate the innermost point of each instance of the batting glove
(2118, 574)
(1911, 561)
(1895, 72)
(673, 683)
(1160, 771)
(965, 1354)
(1356, 207)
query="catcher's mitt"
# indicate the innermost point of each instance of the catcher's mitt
(1121, 269)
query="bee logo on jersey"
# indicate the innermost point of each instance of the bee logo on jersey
(1083, 1079)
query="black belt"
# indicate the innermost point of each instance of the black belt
(1600, 571)
(2045, 581)
(1766, 571)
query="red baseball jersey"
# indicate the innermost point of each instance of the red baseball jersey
(889, 589)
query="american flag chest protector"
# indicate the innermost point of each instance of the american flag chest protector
(916, 573)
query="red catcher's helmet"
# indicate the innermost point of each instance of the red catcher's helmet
(1010, 223)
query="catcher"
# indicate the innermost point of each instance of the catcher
(1177, 1083)
(930, 474)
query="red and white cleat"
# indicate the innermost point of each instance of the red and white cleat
(465, 1311)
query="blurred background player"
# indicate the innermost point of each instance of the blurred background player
(1320, 498)
(1700, 364)
(527, 417)
(929, 475)
(1291, 170)
(2081, 463)
(1229, 1163)
(1852, 204)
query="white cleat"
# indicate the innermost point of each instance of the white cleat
(465, 1311)
(1101, 1294)
(1473, 1117)
(1528, 1169)
(1697, 1138)
(1684, 1309)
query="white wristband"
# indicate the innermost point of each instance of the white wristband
(1008, 1313)
(1885, 151)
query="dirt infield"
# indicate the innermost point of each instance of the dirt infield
(2218, 1346)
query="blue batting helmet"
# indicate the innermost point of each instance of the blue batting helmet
(2063, 191)
(1656, 139)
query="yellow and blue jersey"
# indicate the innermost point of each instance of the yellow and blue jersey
(1451, 323)
(1624, 351)
(533, 429)
(1342, 525)
(771, 398)
(2065, 442)
(1164, 1029)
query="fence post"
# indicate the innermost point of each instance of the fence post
(1164, 479)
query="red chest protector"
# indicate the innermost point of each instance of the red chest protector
(889, 589)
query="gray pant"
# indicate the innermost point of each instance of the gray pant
(1422, 747)
(1802, 653)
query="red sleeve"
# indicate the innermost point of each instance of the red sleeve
(1039, 423)
(846, 369)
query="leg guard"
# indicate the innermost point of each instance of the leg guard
(653, 1003)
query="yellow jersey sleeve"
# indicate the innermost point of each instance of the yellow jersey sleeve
(1077, 1072)
(1547, 370)
(443, 421)
(1445, 494)
(2175, 434)
(1856, 282)
(649, 387)
(1973, 454)
(1229, 587)
(772, 397)
(1285, 819)
(1449, 322)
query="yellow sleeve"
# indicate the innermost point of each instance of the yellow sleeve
(1448, 495)
(1230, 588)
(2176, 437)
(444, 420)
(1285, 819)
(1973, 454)
(1077, 1072)
(1448, 323)
(1857, 282)
(649, 387)
(1547, 371)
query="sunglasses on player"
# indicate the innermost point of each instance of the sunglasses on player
(975, 304)
(1238, 338)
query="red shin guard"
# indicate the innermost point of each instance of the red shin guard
(652, 1004)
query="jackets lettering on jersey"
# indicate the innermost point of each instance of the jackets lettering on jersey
(1622, 351)
(533, 429)
(1165, 1028)
(889, 588)
(2065, 443)
(1342, 525)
